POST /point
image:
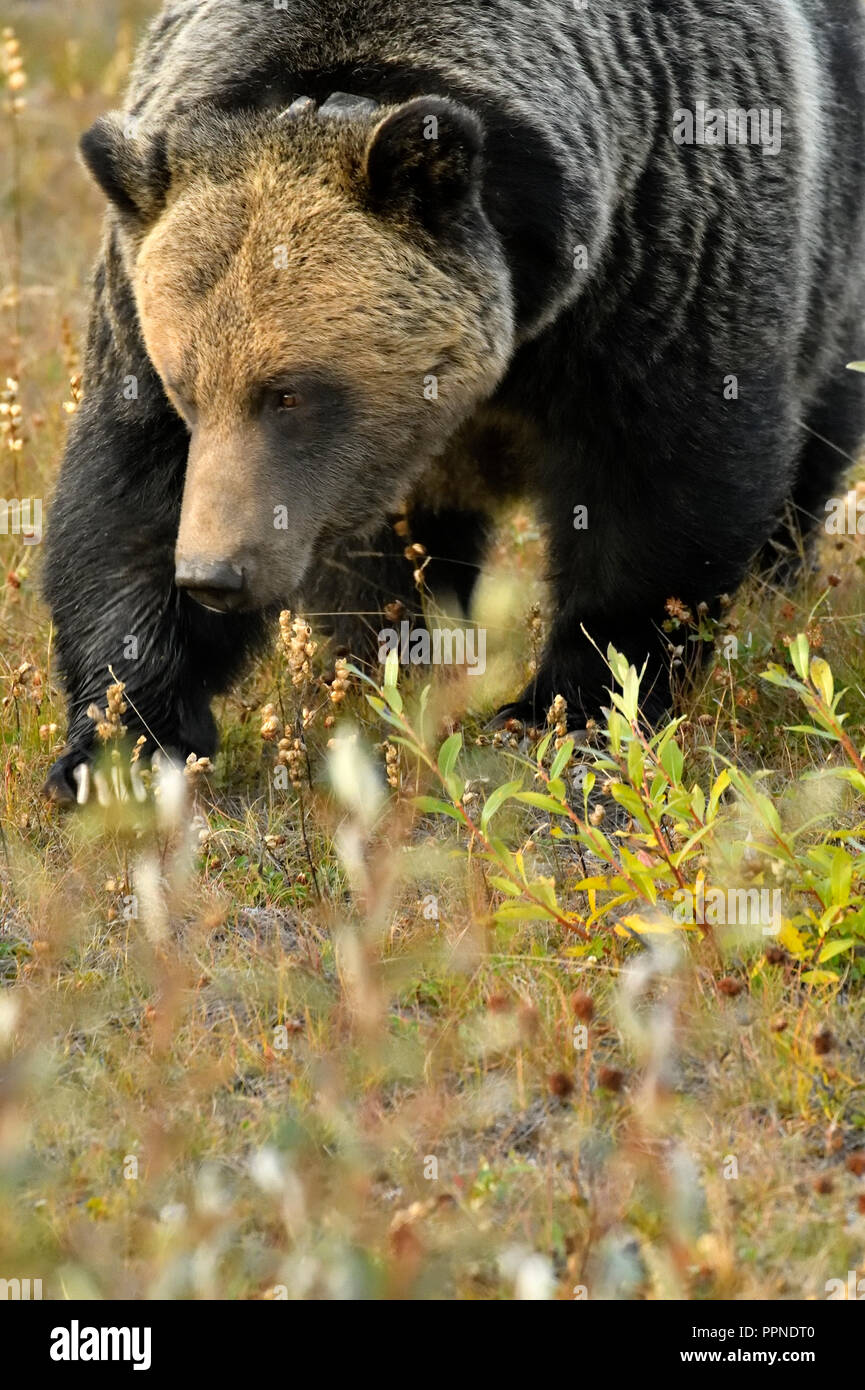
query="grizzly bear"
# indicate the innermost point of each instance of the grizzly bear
(622, 242)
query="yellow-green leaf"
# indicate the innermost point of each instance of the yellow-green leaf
(496, 799)
(821, 678)
(448, 754)
(836, 948)
(799, 652)
(504, 885)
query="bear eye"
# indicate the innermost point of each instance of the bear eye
(281, 396)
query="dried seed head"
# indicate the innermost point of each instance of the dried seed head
(292, 754)
(391, 761)
(12, 68)
(116, 703)
(557, 718)
(341, 683)
(535, 627)
(76, 394)
(678, 610)
(505, 738)
(110, 726)
(11, 418)
(299, 647)
(196, 769)
(270, 723)
(25, 683)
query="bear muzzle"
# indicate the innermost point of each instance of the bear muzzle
(218, 585)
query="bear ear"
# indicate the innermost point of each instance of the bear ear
(425, 157)
(129, 167)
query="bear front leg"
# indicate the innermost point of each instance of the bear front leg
(641, 528)
(109, 581)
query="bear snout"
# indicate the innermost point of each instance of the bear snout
(219, 585)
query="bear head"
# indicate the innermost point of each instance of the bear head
(325, 302)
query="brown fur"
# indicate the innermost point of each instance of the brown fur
(360, 297)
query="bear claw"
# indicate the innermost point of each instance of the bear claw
(76, 786)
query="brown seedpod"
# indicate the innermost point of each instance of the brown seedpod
(560, 1084)
(824, 1040)
(583, 1006)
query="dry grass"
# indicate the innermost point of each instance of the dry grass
(294, 1047)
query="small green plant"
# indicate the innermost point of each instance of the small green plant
(681, 848)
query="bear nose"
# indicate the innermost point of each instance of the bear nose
(215, 584)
